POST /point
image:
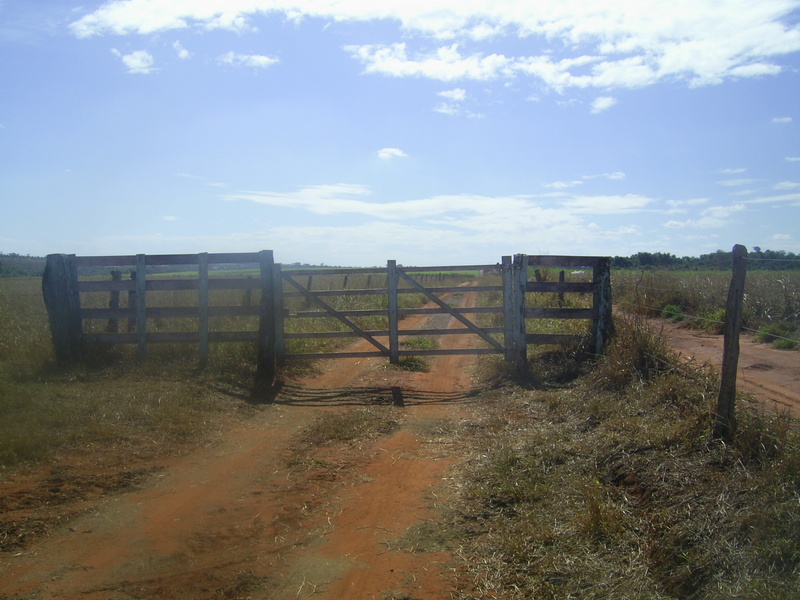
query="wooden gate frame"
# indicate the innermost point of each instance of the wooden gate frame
(62, 287)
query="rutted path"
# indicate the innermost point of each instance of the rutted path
(234, 520)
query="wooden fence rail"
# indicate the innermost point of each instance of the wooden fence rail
(62, 288)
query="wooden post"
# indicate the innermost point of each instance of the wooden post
(520, 284)
(265, 370)
(113, 303)
(725, 421)
(506, 270)
(202, 301)
(277, 299)
(61, 297)
(561, 276)
(141, 308)
(603, 326)
(394, 320)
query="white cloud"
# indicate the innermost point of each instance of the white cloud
(247, 60)
(786, 185)
(183, 53)
(793, 159)
(775, 199)
(682, 206)
(138, 62)
(169, 218)
(732, 171)
(588, 44)
(713, 217)
(735, 182)
(782, 120)
(455, 95)
(389, 153)
(781, 237)
(615, 176)
(561, 185)
(603, 103)
(607, 205)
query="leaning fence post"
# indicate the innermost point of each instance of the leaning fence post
(725, 421)
(265, 370)
(62, 300)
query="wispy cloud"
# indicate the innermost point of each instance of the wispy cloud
(713, 217)
(782, 120)
(793, 159)
(182, 52)
(389, 153)
(732, 171)
(138, 62)
(258, 61)
(562, 185)
(603, 103)
(736, 182)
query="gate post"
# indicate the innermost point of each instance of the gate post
(515, 277)
(520, 284)
(394, 319)
(265, 369)
(277, 310)
(603, 326)
(63, 303)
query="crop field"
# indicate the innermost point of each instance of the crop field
(771, 301)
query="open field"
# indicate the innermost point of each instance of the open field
(585, 478)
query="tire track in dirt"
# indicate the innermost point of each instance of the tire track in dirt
(234, 521)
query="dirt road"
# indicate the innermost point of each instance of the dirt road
(248, 517)
(239, 520)
(771, 377)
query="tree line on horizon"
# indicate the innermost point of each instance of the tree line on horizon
(758, 259)
(18, 265)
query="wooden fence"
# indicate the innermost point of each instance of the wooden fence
(276, 285)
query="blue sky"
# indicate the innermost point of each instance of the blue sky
(439, 132)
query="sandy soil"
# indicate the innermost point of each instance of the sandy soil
(236, 520)
(771, 377)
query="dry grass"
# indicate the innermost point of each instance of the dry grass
(577, 490)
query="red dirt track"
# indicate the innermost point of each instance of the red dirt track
(234, 521)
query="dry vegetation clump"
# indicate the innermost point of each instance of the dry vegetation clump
(618, 490)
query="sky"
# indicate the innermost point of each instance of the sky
(435, 132)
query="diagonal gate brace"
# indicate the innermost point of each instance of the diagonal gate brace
(472, 327)
(335, 313)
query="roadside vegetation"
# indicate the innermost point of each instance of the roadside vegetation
(697, 299)
(601, 480)
(582, 478)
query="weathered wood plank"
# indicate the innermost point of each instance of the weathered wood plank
(564, 261)
(62, 300)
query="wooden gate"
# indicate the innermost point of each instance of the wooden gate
(278, 290)
(517, 284)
